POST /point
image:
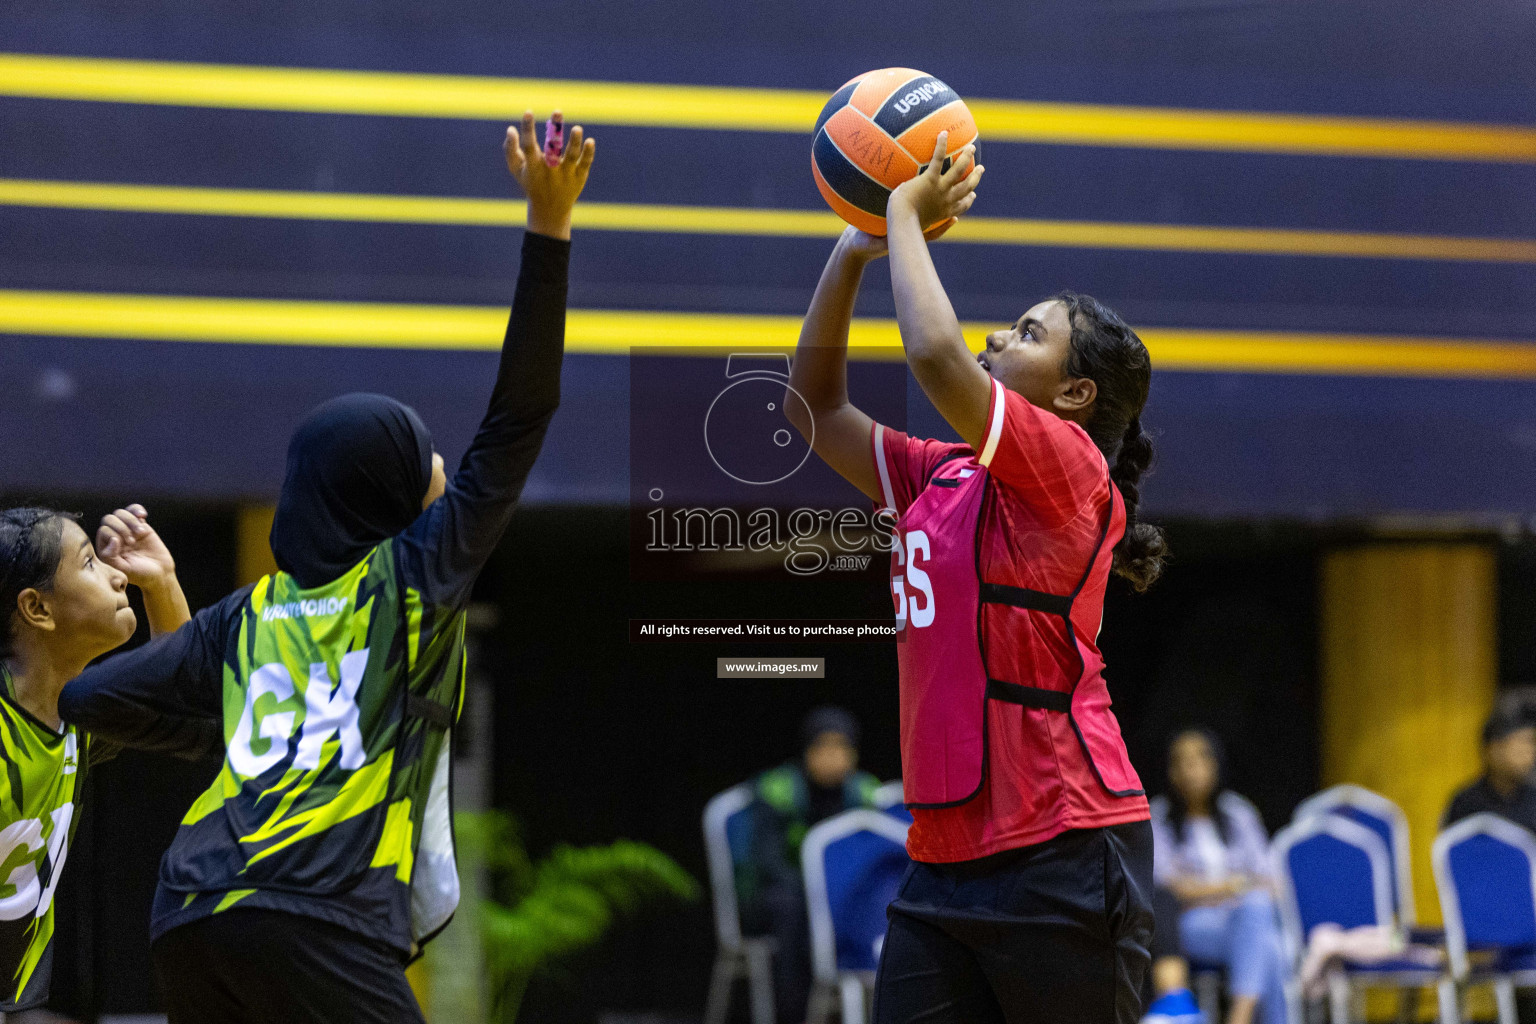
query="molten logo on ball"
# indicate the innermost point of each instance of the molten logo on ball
(926, 91)
(878, 131)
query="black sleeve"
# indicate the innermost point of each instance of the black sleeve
(443, 551)
(101, 752)
(165, 696)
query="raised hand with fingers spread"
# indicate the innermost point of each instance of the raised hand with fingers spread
(938, 195)
(552, 190)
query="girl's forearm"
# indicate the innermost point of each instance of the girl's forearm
(820, 370)
(837, 430)
(165, 606)
(929, 327)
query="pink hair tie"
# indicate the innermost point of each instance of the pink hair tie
(554, 139)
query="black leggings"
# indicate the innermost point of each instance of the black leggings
(263, 966)
(1056, 933)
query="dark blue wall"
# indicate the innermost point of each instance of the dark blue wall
(211, 420)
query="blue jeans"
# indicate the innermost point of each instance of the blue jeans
(1242, 935)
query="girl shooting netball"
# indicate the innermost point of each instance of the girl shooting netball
(1029, 896)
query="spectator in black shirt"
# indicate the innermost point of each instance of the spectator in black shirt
(1509, 755)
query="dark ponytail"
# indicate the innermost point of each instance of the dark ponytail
(1108, 352)
(29, 559)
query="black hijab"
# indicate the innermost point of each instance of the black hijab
(358, 467)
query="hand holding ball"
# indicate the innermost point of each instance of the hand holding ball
(878, 131)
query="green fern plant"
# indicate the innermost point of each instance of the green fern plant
(538, 913)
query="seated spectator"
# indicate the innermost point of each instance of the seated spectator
(791, 798)
(1211, 852)
(1509, 754)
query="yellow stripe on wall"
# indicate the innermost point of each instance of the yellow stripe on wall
(1252, 132)
(746, 221)
(394, 94)
(400, 325)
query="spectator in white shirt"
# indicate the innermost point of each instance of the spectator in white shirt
(1211, 852)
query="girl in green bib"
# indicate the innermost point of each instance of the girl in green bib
(63, 603)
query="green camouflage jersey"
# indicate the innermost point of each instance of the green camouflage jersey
(337, 702)
(333, 797)
(39, 799)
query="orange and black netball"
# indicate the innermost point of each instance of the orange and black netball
(878, 131)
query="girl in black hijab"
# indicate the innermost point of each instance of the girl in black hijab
(321, 859)
(360, 468)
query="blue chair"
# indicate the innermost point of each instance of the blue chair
(1332, 870)
(1387, 820)
(727, 838)
(853, 864)
(891, 799)
(1485, 872)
